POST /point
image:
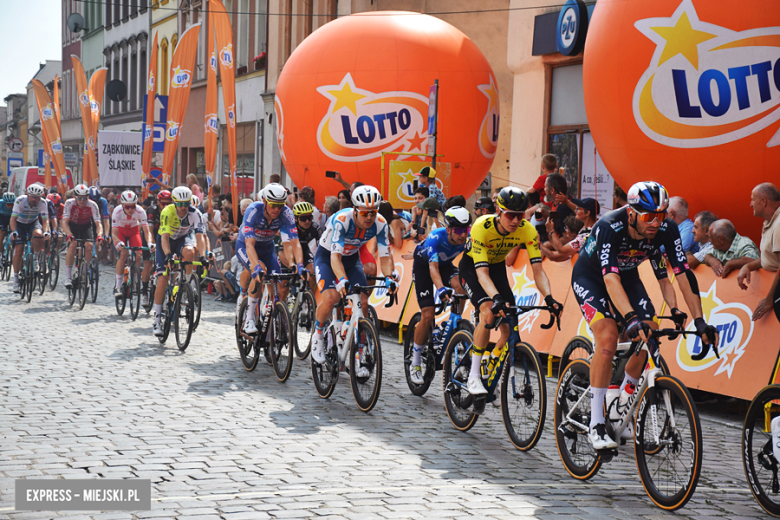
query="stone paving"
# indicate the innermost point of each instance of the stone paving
(89, 394)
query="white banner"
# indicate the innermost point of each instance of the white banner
(119, 158)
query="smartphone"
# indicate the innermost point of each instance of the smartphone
(295, 189)
(538, 215)
(330, 174)
(554, 215)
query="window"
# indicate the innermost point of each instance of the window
(117, 9)
(125, 9)
(308, 17)
(163, 64)
(108, 14)
(333, 10)
(144, 73)
(261, 18)
(174, 41)
(287, 30)
(133, 80)
(124, 79)
(242, 37)
(133, 7)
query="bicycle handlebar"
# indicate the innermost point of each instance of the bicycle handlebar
(554, 316)
(453, 298)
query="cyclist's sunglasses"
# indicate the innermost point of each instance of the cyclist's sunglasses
(275, 205)
(129, 206)
(651, 216)
(9, 204)
(306, 218)
(181, 204)
(367, 213)
(514, 215)
(82, 198)
(461, 231)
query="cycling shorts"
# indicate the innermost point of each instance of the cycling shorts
(470, 282)
(595, 304)
(365, 255)
(307, 256)
(83, 231)
(130, 236)
(266, 253)
(146, 255)
(177, 245)
(25, 231)
(5, 222)
(423, 283)
(326, 278)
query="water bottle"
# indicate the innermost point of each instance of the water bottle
(626, 397)
(775, 427)
(613, 399)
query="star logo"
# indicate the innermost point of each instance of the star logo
(345, 96)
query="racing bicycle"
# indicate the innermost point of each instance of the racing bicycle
(81, 277)
(178, 305)
(131, 285)
(302, 306)
(760, 454)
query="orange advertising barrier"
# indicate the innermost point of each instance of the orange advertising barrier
(748, 350)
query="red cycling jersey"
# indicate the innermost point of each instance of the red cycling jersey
(81, 215)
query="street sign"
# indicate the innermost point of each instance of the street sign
(71, 159)
(41, 163)
(160, 118)
(15, 144)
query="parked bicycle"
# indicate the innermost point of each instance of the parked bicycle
(523, 394)
(131, 285)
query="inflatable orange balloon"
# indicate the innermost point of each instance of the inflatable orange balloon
(688, 94)
(359, 86)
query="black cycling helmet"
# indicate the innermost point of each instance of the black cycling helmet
(512, 199)
(485, 203)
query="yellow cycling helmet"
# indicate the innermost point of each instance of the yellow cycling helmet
(302, 208)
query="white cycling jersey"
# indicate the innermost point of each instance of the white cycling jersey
(120, 219)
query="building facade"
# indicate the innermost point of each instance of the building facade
(15, 127)
(70, 116)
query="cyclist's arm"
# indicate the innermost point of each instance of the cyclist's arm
(338, 266)
(165, 242)
(146, 231)
(512, 256)
(12, 223)
(200, 240)
(251, 253)
(667, 290)
(617, 294)
(483, 275)
(292, 249)
(65, 226)
(115, 234)
(46, 224)
(435, 275)
(540, 277)
(691, 298)
(100, 227)
(387, 265)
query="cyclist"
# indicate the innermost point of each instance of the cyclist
(255, 244)
(607, 286)
(80, 221)
(30, 219)
(175, 239)
(307, 231)
(483, 271)
(336, 261)
(55, 203)
(127, 222)
(53, 222)
(102, 204)
(6, 210)
(152, 219)
(433, 265)
(201, 238)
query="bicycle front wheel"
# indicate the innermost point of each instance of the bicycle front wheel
(365, 365)
(54, 268)
(523, 397)
(303, 325)
(196, 300)
(281, 342)
(42, 276)
(94, 268)
(121, 302)
(29, 276)
(152, 291)
(183, 315)
(73, 291)
(758, 455)
(455, 372)
(83, 285)
(326, 375)
(7, 260)
(167, 315)
(668, 443)
(245, 344)
(134, 291)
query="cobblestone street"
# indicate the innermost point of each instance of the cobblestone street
(89, 394)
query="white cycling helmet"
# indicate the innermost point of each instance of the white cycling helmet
(274, 192)
(82, 190)
(181, 194)
(195, 201)
(366, 197)
(128, 197)
(457, 217)
(35, 190)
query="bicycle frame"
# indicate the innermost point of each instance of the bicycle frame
(335, 324)
(446, 330)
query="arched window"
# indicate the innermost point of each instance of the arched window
(163, 74)
(174, 41)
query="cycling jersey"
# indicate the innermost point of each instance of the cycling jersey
(306, 236)
(486, 245)
(610, 248)
(103, 208)
(256, 226)
(153, 217)
(120, 219)
(5, 210)
(202, 225)
(26, 214)
(81, 215)
(344, 237)
(176, 227)
(51, 210)
(437, 247)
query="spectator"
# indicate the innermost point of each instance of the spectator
(275, 178)
(495, 194)
(678, 211)
(701, 234)
(394, 223)
(587, 213)
(192, 183)
(455, 200)
(484, 206)
(557, 193)
(345, 199)
(416, 228)
(730, 250)
(619, 197)
(330, 207)
(765, 201)
(231, 273)
(347, 186)
(307, 194)
(537, 192)
(427, 179)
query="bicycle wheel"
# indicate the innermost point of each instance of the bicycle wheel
(94, 279)
(245, 344)
(669, 474)
(428, 369)
(23, 280)
(365, 365)
(29, 276)
(152, 289)
(183, 315)
(73, 291)
(42, 275)
(134, 291)
(579, 347)
(83, 285)
(371, 315)
(572, 421)
(167, 314)
(196, 300)
(281, 342)
(758, 457)
(326, 375)
(7, 256)
(54, 268)
(303, 325)
(121, 302)
(524, 397)
(457, 364)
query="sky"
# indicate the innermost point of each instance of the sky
(30, 34)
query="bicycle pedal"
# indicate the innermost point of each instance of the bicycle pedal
(607, 455)
(479, 405)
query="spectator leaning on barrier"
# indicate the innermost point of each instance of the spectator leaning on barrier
(678, 211)
(427, 176)
(765, 201)
(536, 193)
(619, 197)
(330, 207)
(587, 213)
(484, 206)
(701, 234)
(730, 250)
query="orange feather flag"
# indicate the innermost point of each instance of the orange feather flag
(51, 133)
(211, 123)
(82, 88)
(151, 96)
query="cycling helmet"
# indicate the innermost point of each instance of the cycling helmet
(274, 192)
(195, 201)
(181, 194)
(302, 208)
(512, 199)
(164, 196)
(9, 198)
(54, 198)
(81, 190)
(485, 203)
(94, 194)
(128, 197)
(35, 190)
(457, 217)
(366, 197)
(648, 197)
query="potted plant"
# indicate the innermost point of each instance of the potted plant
(260, 61)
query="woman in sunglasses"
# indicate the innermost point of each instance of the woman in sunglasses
(127, 222)
(433, 265)
(608, 288)
(307, 231)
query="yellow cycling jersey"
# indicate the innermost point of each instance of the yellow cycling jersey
(176, 227)
(486, 245)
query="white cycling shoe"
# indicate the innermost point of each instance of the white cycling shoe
(158, 328)
(17, 287)
(599, 438)
(416, 374)
(318, 349)
(475, 387)
(250, 327)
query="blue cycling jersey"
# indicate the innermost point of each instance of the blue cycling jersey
(344, 237)
(437, 248)
(256, 226)
(5, 210)
(102, 205)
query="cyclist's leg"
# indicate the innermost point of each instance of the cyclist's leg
(423, 286)
(253, 289)
(188, 251)
(37, 236)
(501, 281)
(326, 282)
(483, 303)
(640, 302)
(88, 234)
(162, 280)
(266, 253)
(23, 230)
(70, 256)
(120, 264)
(369, 268)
